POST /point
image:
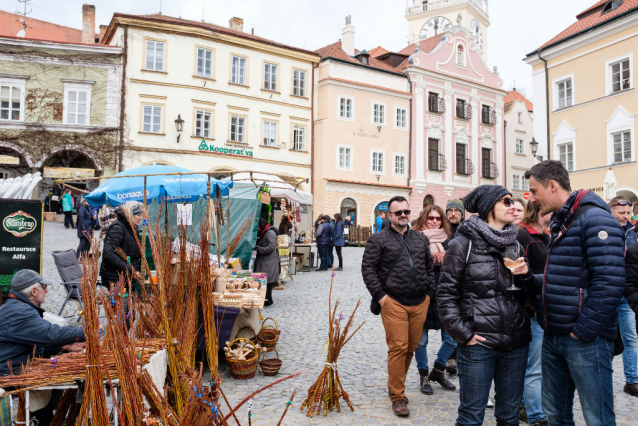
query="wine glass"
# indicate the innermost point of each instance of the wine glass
(511, 256)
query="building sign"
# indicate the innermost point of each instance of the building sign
(381, 207)
(20, 238)
(599, 189)
(67, 173)
(9, 159)
(226, 151)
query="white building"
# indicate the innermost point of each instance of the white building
(519, 132)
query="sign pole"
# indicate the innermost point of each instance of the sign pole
(143, 267)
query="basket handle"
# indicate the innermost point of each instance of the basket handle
(250, 328)
(239, 339)
(273, 320)
(263, 354)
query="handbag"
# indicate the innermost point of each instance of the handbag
(619, 347)
(375, 307)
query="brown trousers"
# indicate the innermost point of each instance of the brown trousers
(403, 327)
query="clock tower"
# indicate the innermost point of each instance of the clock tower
(427, 18)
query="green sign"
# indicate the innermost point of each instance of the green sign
(226, 151)
(20, 238)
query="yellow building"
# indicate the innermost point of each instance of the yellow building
(584, 97)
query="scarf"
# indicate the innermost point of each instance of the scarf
(571, 205)
(261, 234)
(436, 237)
(494, 237)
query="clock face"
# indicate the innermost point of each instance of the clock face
(475, 29)
(435, 26)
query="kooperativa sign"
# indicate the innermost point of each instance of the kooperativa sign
(19, 223)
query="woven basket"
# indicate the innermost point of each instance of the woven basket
(270, 366)
(244, 369)
(268, 336)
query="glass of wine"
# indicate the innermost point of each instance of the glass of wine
(510, 260)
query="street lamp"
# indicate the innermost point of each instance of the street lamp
(179, 126)
(534, 147)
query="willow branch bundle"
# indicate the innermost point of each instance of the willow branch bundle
(327, 390)
(67, 410)
(239, 237)
(207, 287)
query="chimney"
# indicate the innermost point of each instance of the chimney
(236, 24)
(102, 32)
(88, 23)
(347, 37)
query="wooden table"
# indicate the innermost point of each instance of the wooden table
(309, 246)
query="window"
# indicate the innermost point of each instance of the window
(435, 103)
(10, 103)
(298, 138)
(519, 146)
(399, 165)
(203, 124)
(460, 56)
(565, 94)
(525, 184)
(620, 76)
(77, 106)
(345, 108)
(402, 118)
(299, 83)
(436, 161)
(463, 109)
(516, 182)
(238, 72)
(204, 63)
(520, 117)
(463, 164)
(488, 116)
(566, 155)
(270, 77)
(154, 55)
(489, 169)
(152, 119)
(378, 114)
(345, 158)
(237, 129)
(270, 133)
(622, 147)
(611, 6)
(377, 162)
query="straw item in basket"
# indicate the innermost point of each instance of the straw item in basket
(242, 358)
(270, 366)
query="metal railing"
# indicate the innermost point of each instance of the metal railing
(489, 170)
(439, 4)
(436, 162)
(464, 166)
(488, 117)
(436, 105)
(464, 111)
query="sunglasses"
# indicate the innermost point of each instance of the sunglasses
(434, 218)
(622, 203)
(507, 201)
(44, 286)
(400, 213)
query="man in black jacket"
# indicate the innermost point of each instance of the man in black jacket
(398, 270)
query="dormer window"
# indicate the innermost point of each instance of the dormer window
(611, 6)
(363, 57)
(460, 56)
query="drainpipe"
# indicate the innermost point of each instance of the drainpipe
(312, 133)
(504, 150)
(410, 139)
(123, 100)
(546, 101)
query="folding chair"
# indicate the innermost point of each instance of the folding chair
(70, 272)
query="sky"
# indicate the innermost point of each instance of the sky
(517, 27)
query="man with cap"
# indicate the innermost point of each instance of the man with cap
(455, 213)
(23, 328)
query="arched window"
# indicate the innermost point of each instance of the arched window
(460, 56)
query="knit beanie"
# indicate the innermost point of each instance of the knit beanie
(455, 203)
(482, 199)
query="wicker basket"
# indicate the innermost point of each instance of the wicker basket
(268, 336)
(270, 366)
(244, 369)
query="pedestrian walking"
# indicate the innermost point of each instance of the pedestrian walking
(121, 255)
(85, 228)
(533, 236)
(379, 221)
(267, 259)
(455, 213)
(621, 211)
(481, 304)
(323, 238)
(331, 252)
(582, 287)
(338, 240)
(398, 271)
(67, 209)
(435, 226)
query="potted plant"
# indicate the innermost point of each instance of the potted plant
(49, 216)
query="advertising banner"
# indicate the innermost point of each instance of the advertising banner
(20, 238)
(67, 173)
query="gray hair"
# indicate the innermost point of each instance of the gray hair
(27, 291)
(129, 206)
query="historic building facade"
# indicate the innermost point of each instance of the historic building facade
(590, 114)
(519, 132)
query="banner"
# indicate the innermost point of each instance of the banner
(67, 173)
(9, 159)
(20, 238)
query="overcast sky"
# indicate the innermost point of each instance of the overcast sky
(517, 27)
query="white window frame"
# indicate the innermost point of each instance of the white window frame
(620, 121)
(339, 116)
(555, 84)
(396, 156)
(381, 123)
(295, 142)
(299, 90)
(206, 72)
(161, 118)
(239, 77)
(516, 182)
(273, 140)
(609, 75)
(380, 161)
(146, 55)
(522, 146)
(202, 127)
(274, 85)
(18, 84)
(565, 145)
(77, 87)
(631, 146)
(524, 183)
(396, 118)
(240, 129)
(347, 168)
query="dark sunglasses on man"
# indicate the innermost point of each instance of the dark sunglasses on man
(400, 213)
(622, 203)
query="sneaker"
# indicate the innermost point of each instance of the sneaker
(522, 414)
(490, 403)
(631, 389)
(541, 422)
(339, 269)
(400, 408)
(451, 366)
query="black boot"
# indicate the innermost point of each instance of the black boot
(424, 383)
(451, 366)
(438, 375)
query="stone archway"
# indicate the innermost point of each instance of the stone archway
(66, 157)
(221, 172)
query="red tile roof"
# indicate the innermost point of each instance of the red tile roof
(10, 25)
(588, 21)
(378, 51)
(513, 95)
(334, 50)
(426, 46)
(600, 3)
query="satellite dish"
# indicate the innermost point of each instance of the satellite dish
(21, 33)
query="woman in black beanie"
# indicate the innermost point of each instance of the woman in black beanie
(481, 312)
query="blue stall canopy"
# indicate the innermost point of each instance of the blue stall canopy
(166, 184)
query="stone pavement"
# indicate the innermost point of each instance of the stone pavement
(301, 311)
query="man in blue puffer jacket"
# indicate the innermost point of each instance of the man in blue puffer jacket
(581, 290)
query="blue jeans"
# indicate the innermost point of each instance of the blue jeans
(322, 249)
(446, 349)
(627, 324)
(570, 364)
(478, 366)
(534, 376)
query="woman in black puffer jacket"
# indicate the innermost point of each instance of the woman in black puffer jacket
(487, 320)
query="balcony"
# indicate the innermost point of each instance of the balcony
(488, 117)
(489, 170)
(436, 162)
(464, 166)
(436, 105)
(419, 6)
(463, 111)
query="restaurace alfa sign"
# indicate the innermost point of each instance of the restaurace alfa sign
(226, 151)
